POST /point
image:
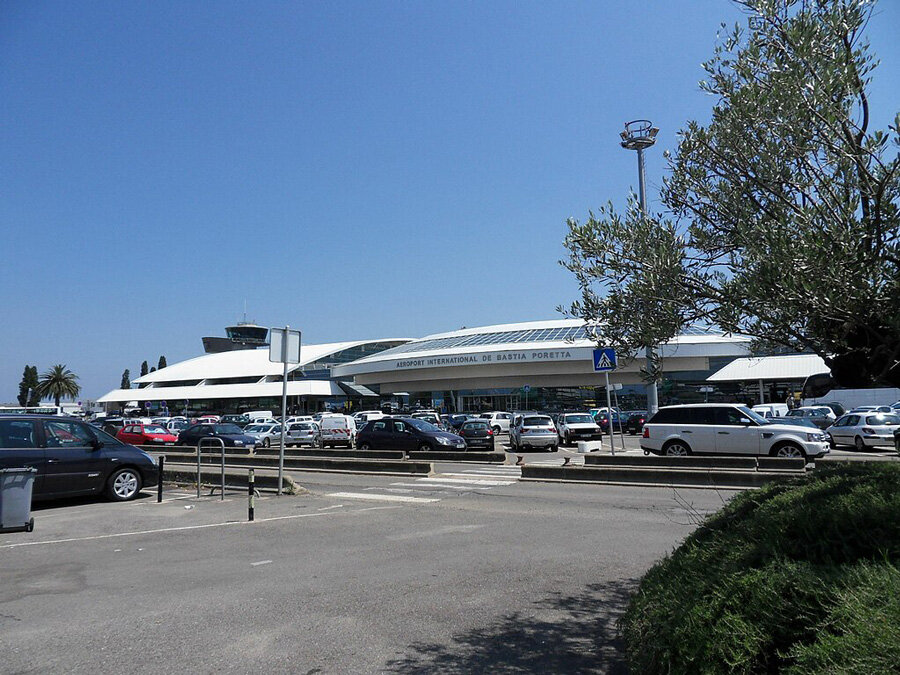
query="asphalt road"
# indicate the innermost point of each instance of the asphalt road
(464, 572)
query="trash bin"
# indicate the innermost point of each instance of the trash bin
(15, 499)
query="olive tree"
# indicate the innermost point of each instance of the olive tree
(780, 215)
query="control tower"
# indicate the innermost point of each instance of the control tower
(241, 336)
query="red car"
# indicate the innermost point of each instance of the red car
(146, 434)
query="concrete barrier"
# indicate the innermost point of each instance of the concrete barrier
(589, 446)
(689, 462)
(379, 466)
(781, 463)
(235, 479)
(651, 476)
(469, 456)
(337, 452)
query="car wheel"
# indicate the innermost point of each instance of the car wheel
(365, 446)
(496, 430)
(554, 448)
(677, 449)
(859, 443)
(788, 450)
(266, 442)
(424, 447)
(831, 443)
(124, 484)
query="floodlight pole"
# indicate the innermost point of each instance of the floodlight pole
(284, 357)
(639, 135)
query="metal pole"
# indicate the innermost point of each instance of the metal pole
(223, 468)
(762, 398)
(652, 396)
(284, 357)
(251, 492)
(199, 443)
(612, 447)
(159, 487)
(619, 415)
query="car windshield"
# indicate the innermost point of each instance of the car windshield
(475, 425)
(537, 422)
(227, 429)
(153, 429)
(795, 413)
(256, 427)
(882, 419)
(422, 425)
(301, 427)
(752, 415)
(579, 419)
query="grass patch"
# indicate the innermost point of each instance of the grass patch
(797, 577)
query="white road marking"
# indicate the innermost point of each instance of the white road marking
(470, 481)
(436, 487)
(261, 562)
(184, 528)
(328, 508)
(382, 498)
(477, 476)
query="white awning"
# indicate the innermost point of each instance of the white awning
(213, 391)
(792, 367)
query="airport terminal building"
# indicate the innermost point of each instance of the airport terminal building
(541, 364)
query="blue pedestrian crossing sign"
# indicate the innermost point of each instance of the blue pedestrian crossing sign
(604, 360)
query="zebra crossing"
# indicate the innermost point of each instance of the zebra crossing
(430, 489)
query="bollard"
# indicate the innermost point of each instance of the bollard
(162, 463)
(250, 494)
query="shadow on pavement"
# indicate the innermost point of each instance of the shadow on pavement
(563, 633)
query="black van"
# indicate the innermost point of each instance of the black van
(73, 458)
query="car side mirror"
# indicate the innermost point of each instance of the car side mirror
(746, 422)
(96, 444)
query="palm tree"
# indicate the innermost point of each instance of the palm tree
(59, 382)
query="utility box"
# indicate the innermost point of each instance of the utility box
(15, 499)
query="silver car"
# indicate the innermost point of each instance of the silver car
(533, 431)
(264, 434)
(864, 430)
(302, 433)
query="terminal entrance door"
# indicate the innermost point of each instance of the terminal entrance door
(491, 402)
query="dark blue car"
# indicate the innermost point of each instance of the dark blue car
(231, 434)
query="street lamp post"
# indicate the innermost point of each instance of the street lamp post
(639, 135)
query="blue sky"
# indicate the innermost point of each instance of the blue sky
(354, 169)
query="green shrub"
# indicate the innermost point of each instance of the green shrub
(798, 576)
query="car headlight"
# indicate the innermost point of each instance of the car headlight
(444, 441)
(811, 437)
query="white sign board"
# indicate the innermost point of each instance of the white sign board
(284, 345)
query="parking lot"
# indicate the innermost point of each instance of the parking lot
(331, 581)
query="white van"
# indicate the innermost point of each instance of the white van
(367, 416)
(337, 430)
(770, 410)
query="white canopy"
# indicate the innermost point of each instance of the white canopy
(791, 367)
(200, 392)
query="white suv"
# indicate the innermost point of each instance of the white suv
(499, 421)
(727, 429)
(577, 427)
